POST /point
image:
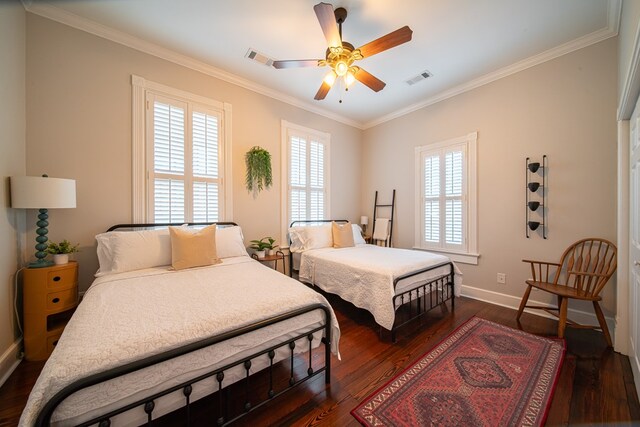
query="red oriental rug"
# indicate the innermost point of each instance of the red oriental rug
(483, 374)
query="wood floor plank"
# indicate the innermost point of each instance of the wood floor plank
(595, 385)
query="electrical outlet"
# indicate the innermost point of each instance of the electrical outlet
(502, 278)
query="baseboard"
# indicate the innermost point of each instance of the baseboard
(10, 360)
(510, 301)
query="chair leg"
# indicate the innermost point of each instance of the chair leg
(562, 319)
(603, 323)
(523, 303)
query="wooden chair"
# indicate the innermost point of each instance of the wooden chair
(583, 271)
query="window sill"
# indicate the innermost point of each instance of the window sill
(461, 257)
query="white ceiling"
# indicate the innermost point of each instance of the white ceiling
(464, 43)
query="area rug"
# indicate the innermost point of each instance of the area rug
(483, 374)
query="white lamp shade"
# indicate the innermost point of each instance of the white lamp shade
(364, 220)
(35, 192)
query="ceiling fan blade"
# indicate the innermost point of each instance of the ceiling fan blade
(369, 80)
(296, 63)
(322, 92)
(392, 39)
(327, 19)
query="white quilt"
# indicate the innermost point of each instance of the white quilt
(364, 275)
(124, 317)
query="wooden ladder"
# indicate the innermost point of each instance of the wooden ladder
(376, 205)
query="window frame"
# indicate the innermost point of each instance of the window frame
(290, 129)
(142, 90)
(468, 254)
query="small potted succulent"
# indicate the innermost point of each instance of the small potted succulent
(263, 245)
(61, 251)
(271, 249)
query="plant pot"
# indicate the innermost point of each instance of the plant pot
(533, 186)
(533, 167)
(533, 205)
(59, 259)
(260, 254)
(533, 225)
(271, 252)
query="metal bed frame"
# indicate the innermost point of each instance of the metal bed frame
(148, 403)
(428, 295)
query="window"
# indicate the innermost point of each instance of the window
(305, 169)
(446, 217)
(181, 153)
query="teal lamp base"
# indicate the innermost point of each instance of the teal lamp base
(41, 240)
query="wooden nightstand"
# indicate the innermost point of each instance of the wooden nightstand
(279, 256)
(50, 297)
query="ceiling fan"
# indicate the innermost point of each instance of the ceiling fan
(341, 55)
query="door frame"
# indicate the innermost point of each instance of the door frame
(628, 99)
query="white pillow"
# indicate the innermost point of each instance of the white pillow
(120, 251)
(357, 235)
(230, 242)
(317, 237)
(297, 235)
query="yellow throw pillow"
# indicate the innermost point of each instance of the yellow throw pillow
(193, 249)
(342, 235)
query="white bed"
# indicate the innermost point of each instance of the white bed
(364, 275)
(127, 316)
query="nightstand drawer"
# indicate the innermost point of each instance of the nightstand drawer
(62, 300)
(52, 341)
(61, 279)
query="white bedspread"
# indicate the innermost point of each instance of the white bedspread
(124, 317)
(364, 275)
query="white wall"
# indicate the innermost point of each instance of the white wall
(564, 108)
(79, 115)
(12, 162)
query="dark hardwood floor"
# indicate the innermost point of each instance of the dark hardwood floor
(595, 385)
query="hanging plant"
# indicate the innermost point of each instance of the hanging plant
(258, 177)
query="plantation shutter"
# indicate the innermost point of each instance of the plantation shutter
(454, 175)
(185, 178)
(444, 198)
(206, 167)
(169, 161)
(316, 181)
(307, 180)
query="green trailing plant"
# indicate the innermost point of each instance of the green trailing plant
(258, 161)
(63, 247)
(263, 244)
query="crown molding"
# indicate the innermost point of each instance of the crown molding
(613, 23)
(59, 15)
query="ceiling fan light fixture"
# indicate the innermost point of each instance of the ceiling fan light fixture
(340, 55)
(330, 78)
(349, 78)
(341, 68)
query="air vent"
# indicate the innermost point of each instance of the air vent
(422, 76)
(254, 55)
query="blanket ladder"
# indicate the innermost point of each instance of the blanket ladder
(377, 205)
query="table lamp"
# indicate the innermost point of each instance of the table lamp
(364, 221)
(43, 193)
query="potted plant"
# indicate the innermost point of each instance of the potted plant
(258, 161)
(61, 251)
(259, 247)
(271, 249)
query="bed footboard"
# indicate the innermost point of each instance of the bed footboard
(428, 295)
(148, 403)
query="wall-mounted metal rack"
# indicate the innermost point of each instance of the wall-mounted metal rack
(536, 207)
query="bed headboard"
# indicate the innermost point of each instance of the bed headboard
(314, 221)
(168, 224)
